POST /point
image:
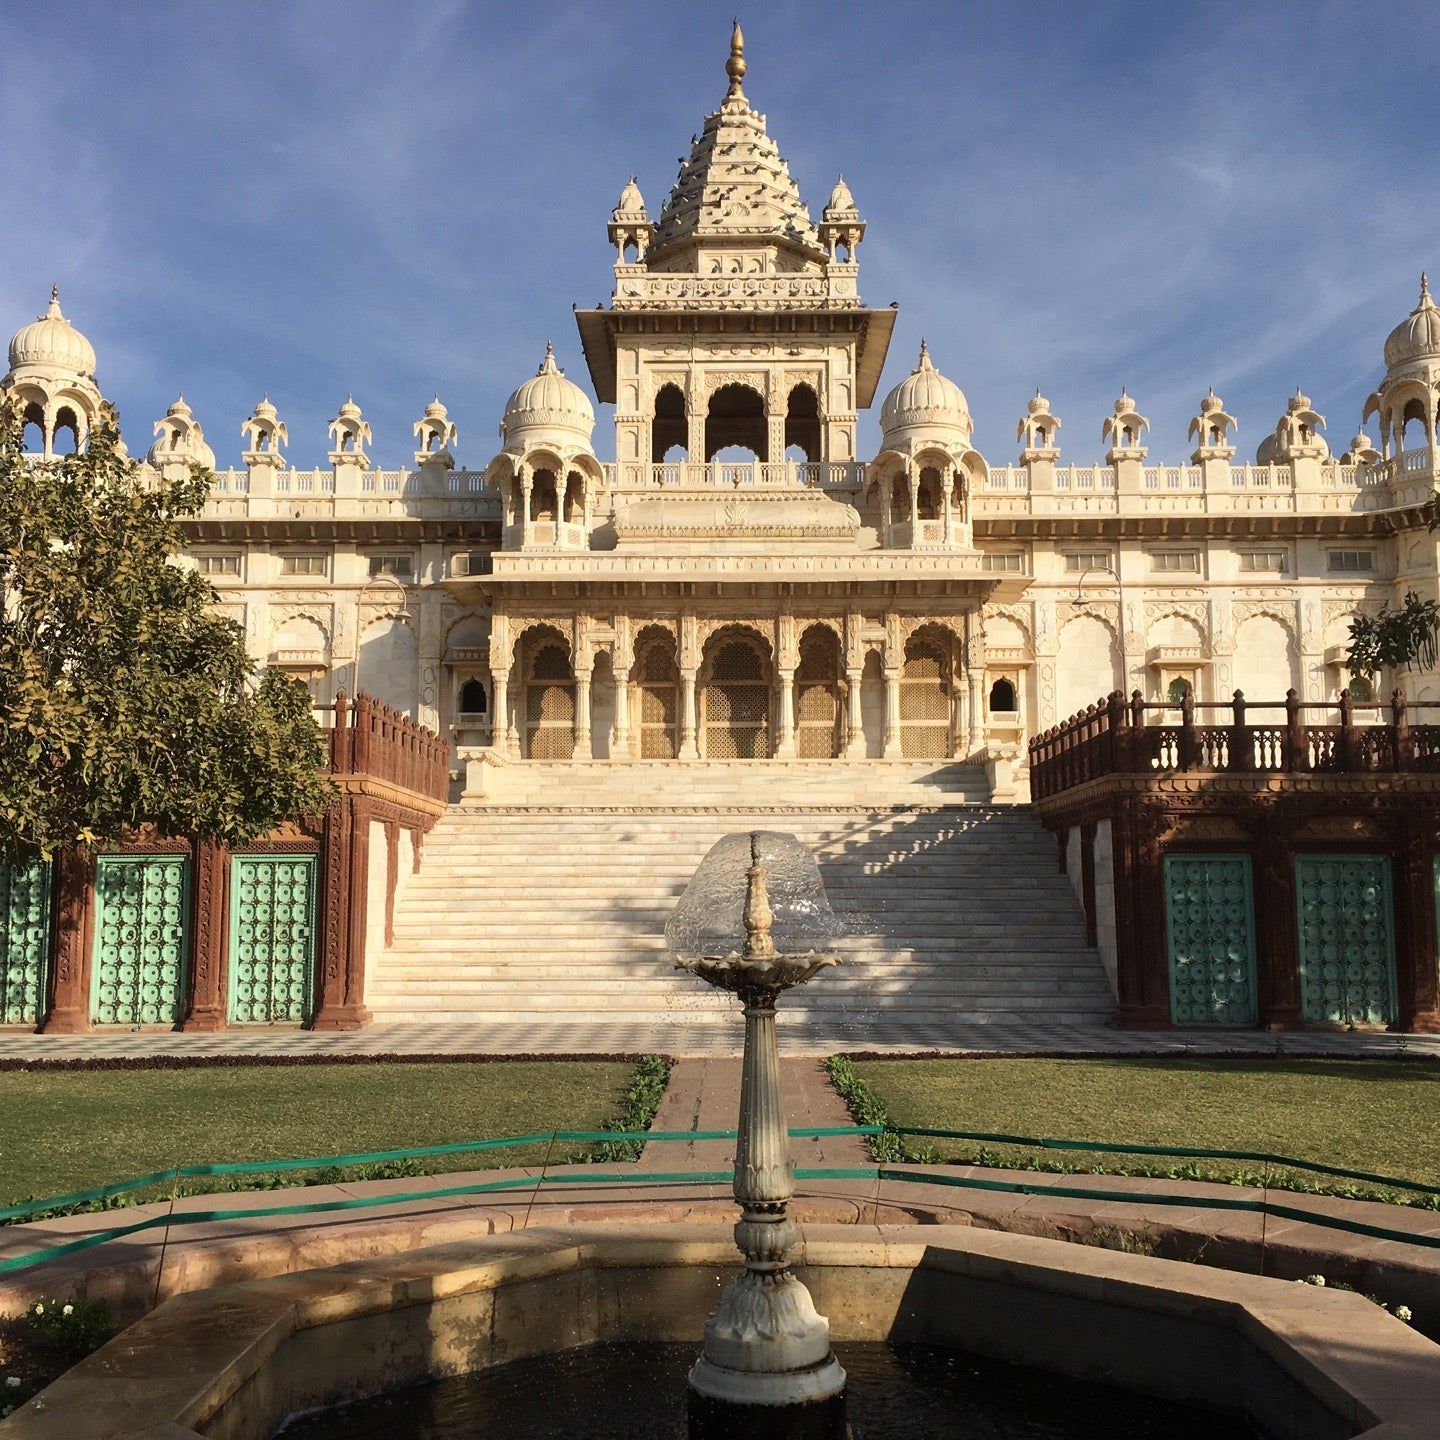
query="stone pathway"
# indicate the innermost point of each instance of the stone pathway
(704, 1094)
(601, 1037)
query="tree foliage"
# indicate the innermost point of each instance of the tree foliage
(1395, 639)
(126, 698)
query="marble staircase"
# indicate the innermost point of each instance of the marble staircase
(552, 908)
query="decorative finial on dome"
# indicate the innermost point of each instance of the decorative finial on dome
(52, 311)
(924, 361)
(1425, 301)
(735, 66)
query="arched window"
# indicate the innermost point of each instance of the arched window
(736, 418)
(543, 500)
(472, 698)
(575, 498)
(669, 428)
(32, 439)
(1002, 697)
(802, 422)
(1362, 689)
(1178, 689)
(66, 440)
(927, 498)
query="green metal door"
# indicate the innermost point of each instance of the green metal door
(1210, 934)
(272, 938)
(1347, 939)
(24, 942)
(141, 958)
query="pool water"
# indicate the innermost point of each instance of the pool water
(638, 1392)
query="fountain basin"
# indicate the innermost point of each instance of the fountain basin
(235, 1362)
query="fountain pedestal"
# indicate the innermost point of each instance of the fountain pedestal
(765, 1345)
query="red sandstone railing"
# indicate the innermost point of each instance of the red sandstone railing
(1114, 736)
(370, 738)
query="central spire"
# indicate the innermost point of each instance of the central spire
(735, 66)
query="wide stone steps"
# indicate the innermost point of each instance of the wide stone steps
(555, 910)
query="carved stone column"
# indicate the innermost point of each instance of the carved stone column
(689, 721)
(206, 1003)
(785, 741)
(620, 732)
(526, 484)
(892, 712)
(976, 689)
(854, 715)
(72, 889)
(582, 714)
(499, 708)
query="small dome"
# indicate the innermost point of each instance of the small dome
(926, 398)
(840, 197)
(1265, 453)
(350, 410)
(52, 340)
(631, 201)
(549, 401)
(1038, 404)
(179, 437)
(1417, 337)
(1298, 402)
(1125, 404)
(265, 410)
(1211, 403)
(436, 411)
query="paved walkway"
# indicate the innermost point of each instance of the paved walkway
(881, 1034)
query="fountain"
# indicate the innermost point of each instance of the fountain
(765, 1344)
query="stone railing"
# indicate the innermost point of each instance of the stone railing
(368, 738)
(1148, 738)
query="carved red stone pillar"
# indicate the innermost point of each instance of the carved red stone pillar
(72, 888)
(1141, 969)
(1277, 929)
(209, 946)
(1415, 932)
(340, 984)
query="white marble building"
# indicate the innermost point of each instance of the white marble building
(738, 582)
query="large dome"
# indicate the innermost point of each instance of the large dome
(549, 402)
(1417, 337)
(926, 399)
(52, 341)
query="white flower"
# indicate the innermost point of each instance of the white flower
(1403, 1312)
(1315, 1280)
(39, 1307)
(68, 1310)
(12, 1382)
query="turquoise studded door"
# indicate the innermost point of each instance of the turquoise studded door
(24, 942)
(1210, 934)
(1347, 939)
(272, 938)
(140, 963)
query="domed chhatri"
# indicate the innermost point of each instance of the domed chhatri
(550, 403)
(926, 400)
(52, 342)
(1417, 337)
(180, 440)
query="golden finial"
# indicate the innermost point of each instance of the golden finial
(758, 916)
(735, 66)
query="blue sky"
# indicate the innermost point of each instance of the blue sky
(316, 198)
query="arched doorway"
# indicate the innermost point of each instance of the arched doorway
(735, 697)
(926, 695)
(657, 680)
(549, 698)
(736, 417)
(818, 711)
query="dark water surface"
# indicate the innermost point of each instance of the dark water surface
(638, 1392)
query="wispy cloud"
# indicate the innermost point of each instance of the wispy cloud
(314, 199)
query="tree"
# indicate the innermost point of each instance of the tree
(1395, 639)
(126, 698)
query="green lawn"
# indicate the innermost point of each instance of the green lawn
(1365, 1115)
(68, 1130)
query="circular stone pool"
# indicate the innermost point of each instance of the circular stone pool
(638, 1392)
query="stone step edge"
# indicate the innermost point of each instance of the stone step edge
(817, 808)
